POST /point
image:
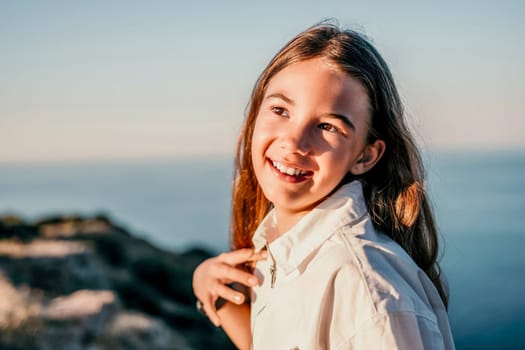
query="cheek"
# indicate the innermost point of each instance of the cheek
(343, 158)
(256, 138)
(258, 143)
(262, 135)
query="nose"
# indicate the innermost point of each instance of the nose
(297, 139)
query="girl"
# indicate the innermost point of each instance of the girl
(331, 225)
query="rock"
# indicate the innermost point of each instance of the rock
(80, 305)
(16, 305)
(85, 283)
(12, 226)
(134, 330)
(76, 321)
(73, 226)
(39, 249)
(56, 267)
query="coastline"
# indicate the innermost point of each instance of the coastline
(72, 282)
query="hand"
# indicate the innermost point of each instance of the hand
(212, 275)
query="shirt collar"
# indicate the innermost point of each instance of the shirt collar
(344, 206)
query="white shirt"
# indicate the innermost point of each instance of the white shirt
(340, 284)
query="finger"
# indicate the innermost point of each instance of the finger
(230, 295)
(237, 256)
(260, 255)
(234, 274)
(249, 265)
(209, 308)
(242, 255)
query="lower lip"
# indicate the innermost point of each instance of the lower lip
(286, 177)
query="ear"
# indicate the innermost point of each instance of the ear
(370, 156)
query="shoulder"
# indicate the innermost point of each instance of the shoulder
(377, 274)
(379, 293)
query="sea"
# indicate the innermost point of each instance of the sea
(478, 197)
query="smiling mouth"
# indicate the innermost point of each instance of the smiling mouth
(290, 173)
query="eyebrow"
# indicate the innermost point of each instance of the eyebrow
(282, 97)
(288, 100)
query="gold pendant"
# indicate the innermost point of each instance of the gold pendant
(273, 272)
(273, 268)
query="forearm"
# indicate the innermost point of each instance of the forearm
(235, 321)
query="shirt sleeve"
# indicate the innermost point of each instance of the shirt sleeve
(399, 330)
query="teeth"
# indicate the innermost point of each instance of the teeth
(288, 171)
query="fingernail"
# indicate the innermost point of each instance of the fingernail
(252, 281)
(237, 298)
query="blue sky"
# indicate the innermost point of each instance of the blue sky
(137, 79)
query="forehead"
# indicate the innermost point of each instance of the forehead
(321, 83)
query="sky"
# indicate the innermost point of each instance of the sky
(97, 80)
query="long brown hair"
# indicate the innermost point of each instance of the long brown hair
(394, 188)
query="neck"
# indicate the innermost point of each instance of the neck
(285, 221)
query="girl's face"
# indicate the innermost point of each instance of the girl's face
(311, 130)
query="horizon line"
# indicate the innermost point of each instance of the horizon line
(230, 155)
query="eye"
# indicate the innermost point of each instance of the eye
(280, 111)
(328, 127)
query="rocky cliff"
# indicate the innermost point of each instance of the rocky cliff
(85, 283)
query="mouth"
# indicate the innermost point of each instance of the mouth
(290, 174)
